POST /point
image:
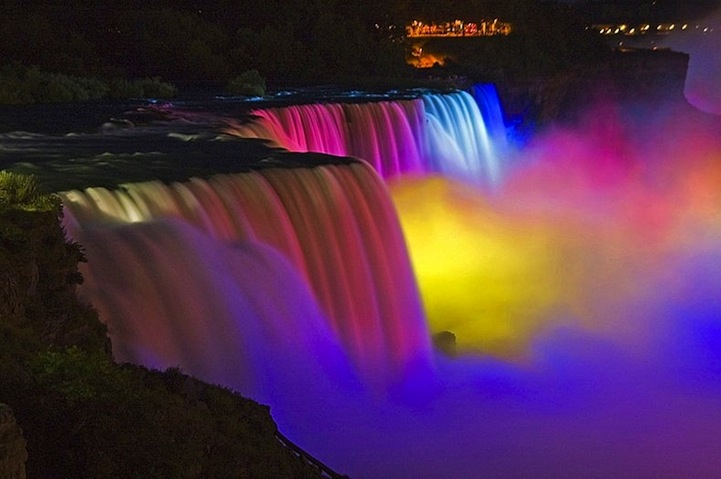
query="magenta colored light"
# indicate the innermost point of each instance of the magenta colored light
(294, 286)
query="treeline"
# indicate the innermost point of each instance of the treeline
(191, 43)
(82, 415)
(21, 85)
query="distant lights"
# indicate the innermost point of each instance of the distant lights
(458, 28)
(645, 28)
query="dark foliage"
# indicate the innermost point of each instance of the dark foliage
(21, 86)
(82, 414)
(39, 271)
(297, 42)
(189, 43)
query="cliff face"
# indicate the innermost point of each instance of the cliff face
(628, 78)
(649, 75)
(12, 446)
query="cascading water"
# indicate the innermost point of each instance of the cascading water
(334, 224)
(583, 293)
(447, 134)
(172, 296)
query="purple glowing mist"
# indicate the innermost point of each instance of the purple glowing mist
(595, 266)
(704, 64)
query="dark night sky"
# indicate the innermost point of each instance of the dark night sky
(694, 7)
(707, 5)
(672, 8)
(653, 10)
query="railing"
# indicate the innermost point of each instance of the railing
(303, 455)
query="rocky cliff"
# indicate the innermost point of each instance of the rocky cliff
(627, 78)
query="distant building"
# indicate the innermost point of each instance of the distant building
(458, 28)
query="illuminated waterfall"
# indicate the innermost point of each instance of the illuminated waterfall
(583, 293)
(333, 227)
(446, 134)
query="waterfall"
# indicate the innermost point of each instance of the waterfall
(200, 274)
(184, 270)
(452, 134)
(582, 293)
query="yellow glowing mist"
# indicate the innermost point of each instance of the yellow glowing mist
(495, 278)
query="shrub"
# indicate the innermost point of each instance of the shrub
(113, 423)
(46, 87)
(120, 88)
(248, 83)
(155, 88)
(85, 416)
(33, 85)
(95, 87)
(39, 269)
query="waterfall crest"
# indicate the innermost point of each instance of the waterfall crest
(334, 225)
(453, 134)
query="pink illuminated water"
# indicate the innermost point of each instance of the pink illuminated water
(583, 292)
(446, 134)
(335, 226)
